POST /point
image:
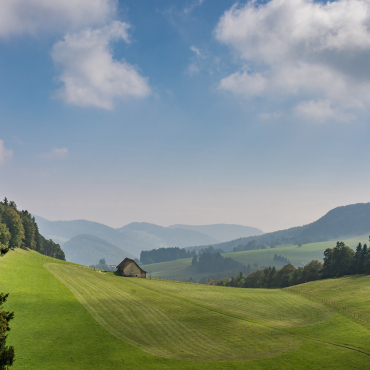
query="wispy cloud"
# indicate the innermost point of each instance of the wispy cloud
(90, 75)
(5, 154)
(190, 8)
(197, 61)
(55, 153)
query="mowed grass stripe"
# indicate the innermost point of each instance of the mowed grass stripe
(198, 320)
(359, 349)
(111, 315)
(207, 319)
(170, 332)
(191, 332)
(252, 309)
(174, 330)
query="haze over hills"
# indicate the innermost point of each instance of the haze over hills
(222, 232)
(132, 238)
(344, 221)
(164, 236)
(62, 231)
(88, 250)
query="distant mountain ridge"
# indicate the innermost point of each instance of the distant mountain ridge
(62, 231)
(222, 232)
(133, 238)
(88, 250)
(344, 221)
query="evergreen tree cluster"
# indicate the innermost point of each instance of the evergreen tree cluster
(250, 246)
(342, 260)
(164, 255)
(210, 249)
(18, 229)
(279, 258)
(6, 352)
(270, 277)
(214, 262)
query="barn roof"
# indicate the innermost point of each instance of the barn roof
(126, 262)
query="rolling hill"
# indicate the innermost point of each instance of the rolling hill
(340, 222)
(88, 250)
(67, 316)
(152, 234)
(132, 238)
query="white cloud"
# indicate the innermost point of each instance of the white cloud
(90, 75)
(5, 154)
(245, 84)
(55, 153)
(32, 16)
(317, 52)
(320, 111)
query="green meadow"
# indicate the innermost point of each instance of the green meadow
(72, 317)
(182, 270)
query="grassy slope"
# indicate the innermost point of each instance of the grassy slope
(181, 269)
(350, 294)
(154, 324)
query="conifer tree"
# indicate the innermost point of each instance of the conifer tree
(364, 257)
(6, 352)
(358, 257)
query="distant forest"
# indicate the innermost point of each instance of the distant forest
(18, 229)
(172, 254)
(338, 261)
(164, 255)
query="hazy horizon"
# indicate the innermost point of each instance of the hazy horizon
(196, 112)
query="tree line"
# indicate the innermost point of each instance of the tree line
(164, 255)
(338, 261)
(18, 229)
(250, 246)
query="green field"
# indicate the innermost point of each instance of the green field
(182, 269)
(71, 317)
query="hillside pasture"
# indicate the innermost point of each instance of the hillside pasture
(72, 317)
(350, 294)
(173, 320)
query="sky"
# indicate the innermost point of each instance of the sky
(194, 112)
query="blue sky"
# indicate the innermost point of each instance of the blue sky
(194, 112)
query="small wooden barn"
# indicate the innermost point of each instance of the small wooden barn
(129, 267)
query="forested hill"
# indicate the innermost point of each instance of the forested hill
(18, 229)
(340, 222)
